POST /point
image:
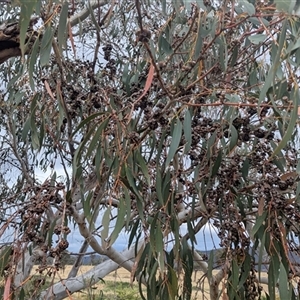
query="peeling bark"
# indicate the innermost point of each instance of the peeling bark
(10, 32)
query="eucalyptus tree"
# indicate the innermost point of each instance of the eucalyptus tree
(165, 117)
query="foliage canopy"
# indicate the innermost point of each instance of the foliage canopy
(157, 119)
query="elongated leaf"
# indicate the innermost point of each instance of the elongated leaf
(131, 180)
(25, 16)
(105, 224)
(233, 138)
(33, 59)
(26, 129)
(172, 284)
(91, 10)
(283, 283)
(258, 223)
(291, 125)
(86, 121)
(148, 82)
(46, 46)
(258, 38)
(62, 26)
(119, 224)
(187, 128)
(164, 46)
(176, 137)
(271, 75)
(86, 203)
(133, 232)
(217, 164)
(96, 138)
(153, 232)
(199, 42)
(142, 164)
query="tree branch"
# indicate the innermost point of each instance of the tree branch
(78, 18)
(61, 289)
(9, 33)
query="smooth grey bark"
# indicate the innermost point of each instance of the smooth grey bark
(62, 289)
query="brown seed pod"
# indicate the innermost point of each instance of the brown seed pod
(143, 36)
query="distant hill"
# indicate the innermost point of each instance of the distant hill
(218, 257)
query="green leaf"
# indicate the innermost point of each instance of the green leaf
(271, 75)
(199, 41)
(62, 26)
(223, 53)
(247, 7)
(86, 203)
(33, 59)
(176, 137)
(97, 137)
(26, 129)
(245, 168)
(217, 164)
(158, 187)
(119, 223)
(291, 125)
(153, 232)
(86, 121)
(164, 6)
(142, 164)
(25, 16)
(46, 46)
(131, 180)
(233, 137)
(80, 149)
(258, 38)
(187, 129)
(133, 232)
(105, 224)
(245, 270)
(93, 17)
(272, 278)
(259, 221)
(5, 255)
(210, 145)
(286, 6)
(172, 283)
(234, 56)
(283, 283)
(164, 46)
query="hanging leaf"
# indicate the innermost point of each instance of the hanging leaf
(259, 222)
(105, 224)
(119, 224)
(258, 38)
(62, 26)
(291, 125)
(233, 138)
(46, 46)
(176, 137)
(27, 8)
(187, 128)
(96, 138)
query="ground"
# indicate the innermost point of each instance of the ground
(117, 286)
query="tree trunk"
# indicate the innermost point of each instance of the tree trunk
(10, 41)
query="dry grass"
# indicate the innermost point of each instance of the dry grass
(114, 280)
